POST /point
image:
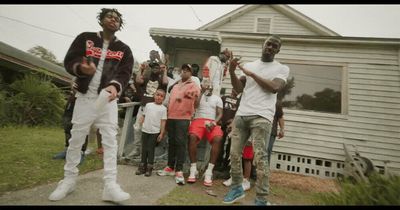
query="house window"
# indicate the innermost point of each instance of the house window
(316, 88)
(263, 25)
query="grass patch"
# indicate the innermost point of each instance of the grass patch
(194, 194)
(184, 195)
(26, 157)
(288, 196)
(380, 190)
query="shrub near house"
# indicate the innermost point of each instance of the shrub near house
(32, 100)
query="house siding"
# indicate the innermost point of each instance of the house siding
(372, 118)
(280, 23)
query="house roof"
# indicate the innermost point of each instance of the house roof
(19, 60)
(161, 35)
(184, 34)
(284, 9)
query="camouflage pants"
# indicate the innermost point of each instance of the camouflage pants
(258, 129)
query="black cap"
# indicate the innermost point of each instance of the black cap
(187, 66)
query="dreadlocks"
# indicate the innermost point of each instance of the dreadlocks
(103, 13)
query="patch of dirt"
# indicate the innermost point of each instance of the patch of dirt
(303, 183)
(306, 184)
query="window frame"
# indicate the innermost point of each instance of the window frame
(271, 21)
(344, 86)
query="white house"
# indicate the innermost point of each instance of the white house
(347, 89)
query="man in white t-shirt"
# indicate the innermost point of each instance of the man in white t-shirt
(208, 113)
(260, 81)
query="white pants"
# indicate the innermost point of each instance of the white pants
(106, 119)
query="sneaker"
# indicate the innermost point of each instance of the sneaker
(60, 155)
(246, 185)
(179, 179)
(193, 175)
(261, 202)
(234, 194)
(227, 182)
(208, 178)
(64, 187)
(167, 171)
(88, 151)
(113, 192)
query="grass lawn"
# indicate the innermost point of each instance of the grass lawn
(26, 157)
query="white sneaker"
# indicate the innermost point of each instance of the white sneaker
(246, 185)
(193, 175)
(179, 179)
(167, 171)
(88, 151)
(64, 187)
(227, 182)
(113, 192)
(208, 178)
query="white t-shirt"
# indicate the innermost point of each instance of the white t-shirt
(208, 107)
(255, 100)
(216, 68)
(153, 113)
(95, 82)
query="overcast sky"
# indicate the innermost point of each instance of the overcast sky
(55, 26)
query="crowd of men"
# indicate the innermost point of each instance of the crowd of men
(175, 106)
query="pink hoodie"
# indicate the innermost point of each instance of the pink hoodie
(182, 98)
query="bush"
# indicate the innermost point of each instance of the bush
(32, 101)
(380, 190)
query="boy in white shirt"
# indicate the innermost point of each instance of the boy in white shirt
(153, 130)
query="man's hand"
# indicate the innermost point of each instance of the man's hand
(245, 71)
(281, 133)
(87, 68)
(159, 138)
(233, 64)
(113, 92)
(210, 126)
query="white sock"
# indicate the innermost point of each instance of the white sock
(210, 167)
(193, 165)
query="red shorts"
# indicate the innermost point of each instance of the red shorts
(197, 127)
(248, 152)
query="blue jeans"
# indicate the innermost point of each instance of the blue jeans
(177, 141)
(258, 129)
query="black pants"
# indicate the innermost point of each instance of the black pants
(177, 141)
(223, 157)
(149, 142)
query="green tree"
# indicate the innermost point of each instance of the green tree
(326, 100)
(44, 54)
